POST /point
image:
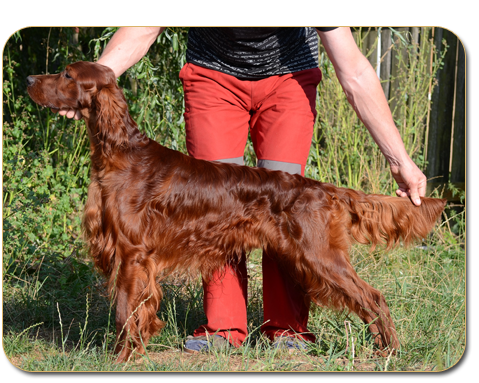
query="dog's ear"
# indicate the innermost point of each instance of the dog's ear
(91, 78)
(111, 112)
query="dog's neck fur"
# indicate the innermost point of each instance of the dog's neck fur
(111, 130)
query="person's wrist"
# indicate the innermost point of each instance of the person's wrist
(399, 160)
(115, 70)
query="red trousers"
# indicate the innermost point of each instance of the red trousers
(279, 113)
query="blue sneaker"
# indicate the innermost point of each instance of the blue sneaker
(290, 344)
(195, 344)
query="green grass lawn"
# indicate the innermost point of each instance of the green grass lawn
(56, 318)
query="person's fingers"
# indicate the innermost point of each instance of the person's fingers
(415, 196)
(411, 182)
(69, 113)
(417, 189)
(422, 187)
(401, 193)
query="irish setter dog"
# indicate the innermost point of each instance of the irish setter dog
(151, 211)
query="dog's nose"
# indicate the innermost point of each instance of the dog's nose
(30, 80)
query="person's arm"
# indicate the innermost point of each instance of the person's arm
(127, 46)
(364, 92)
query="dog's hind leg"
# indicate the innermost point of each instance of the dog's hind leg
(337, 285)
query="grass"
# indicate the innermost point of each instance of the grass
(424, 287)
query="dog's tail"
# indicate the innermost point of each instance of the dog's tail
(379, 219)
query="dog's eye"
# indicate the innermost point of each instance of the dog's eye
(67, 75)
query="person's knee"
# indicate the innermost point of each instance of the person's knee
(279, 165)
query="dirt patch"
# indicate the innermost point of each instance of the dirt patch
(181, 362)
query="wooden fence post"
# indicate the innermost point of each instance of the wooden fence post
(439, 137)
(458, 165)
(385, 71)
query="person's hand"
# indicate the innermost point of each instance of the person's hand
(68, 113)
(411, 181)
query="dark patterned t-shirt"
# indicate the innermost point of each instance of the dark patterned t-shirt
(254, 53)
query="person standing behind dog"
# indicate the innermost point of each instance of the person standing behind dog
(264, 80)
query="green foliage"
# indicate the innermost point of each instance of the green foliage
(45, 176)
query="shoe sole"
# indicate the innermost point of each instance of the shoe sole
(190, 352)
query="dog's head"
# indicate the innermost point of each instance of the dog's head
(90, 88)
(74, 88)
